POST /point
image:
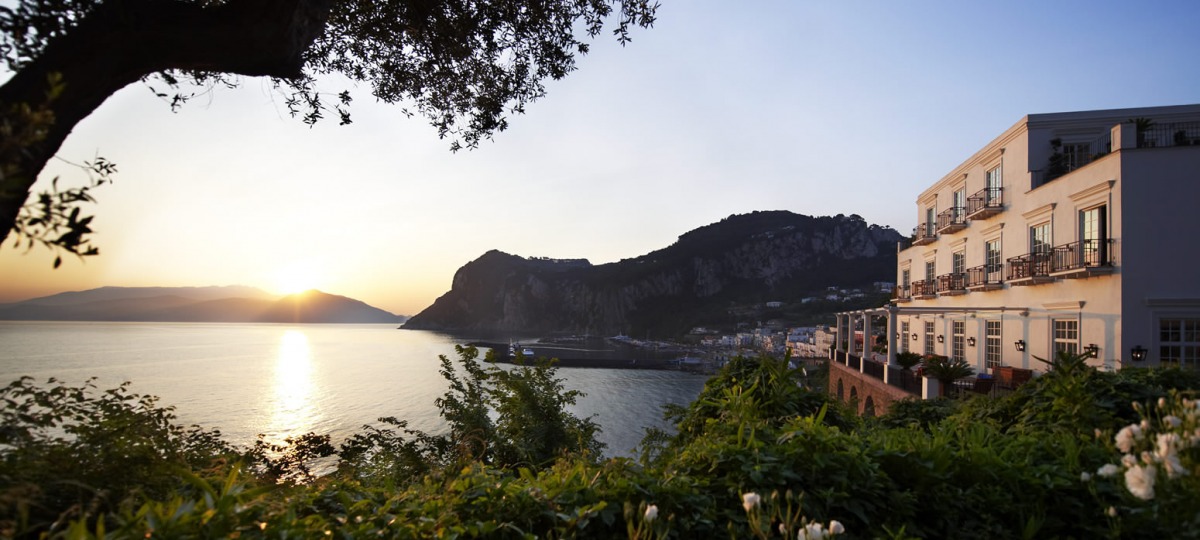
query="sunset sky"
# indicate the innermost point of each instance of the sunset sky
(723, 107)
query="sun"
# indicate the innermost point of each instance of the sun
(296, 278)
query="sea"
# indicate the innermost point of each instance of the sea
(284, 380)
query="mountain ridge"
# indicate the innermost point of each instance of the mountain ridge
(230, 304)
(744, 258)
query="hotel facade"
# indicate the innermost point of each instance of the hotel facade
(1076, 232)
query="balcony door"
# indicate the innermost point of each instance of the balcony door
(1093, 236)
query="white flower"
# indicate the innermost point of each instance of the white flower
(814, 531)
(835, 527)
(1172, 420)
(1108, 470)
(1147, 458)
(1085, 476)
(1112, 511)
(750, 500)
(1162, 402)
(1127, 436)
(1139, 481)
(1128, 461)
(651, 513)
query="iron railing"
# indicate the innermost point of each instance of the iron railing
(1083, 254)
(954, 282)
(924, 288)
(924, 234)
(981, 276)
(902, 293)
(852, 361)
(951, 218)
(904, 379)
(1167, 135)
(1029, 265)
(1068, 157)
(873, 368)
(985, 199)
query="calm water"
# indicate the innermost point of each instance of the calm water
(283, 380)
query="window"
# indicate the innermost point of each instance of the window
(994, 181)
(1066, 336)
(1179, 342)
(959, 263)
(1039, 238)
(928, 337)
(957, 348)
(1076, 155)
(1093, 236)
(904, 279)
(993, 262)
(930, 271)
(930, 221)
(904, 336)
(960, 204)
(991, 344)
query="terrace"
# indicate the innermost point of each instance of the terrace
(985, 203)
(982, 278)
(951, 220)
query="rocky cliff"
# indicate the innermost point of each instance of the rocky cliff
(757, 257)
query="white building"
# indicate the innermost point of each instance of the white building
(1071, 232)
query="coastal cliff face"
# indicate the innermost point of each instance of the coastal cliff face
(758, 257)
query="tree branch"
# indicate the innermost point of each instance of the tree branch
(123, 41)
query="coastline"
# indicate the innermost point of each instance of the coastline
(575, 357)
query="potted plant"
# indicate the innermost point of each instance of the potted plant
(947, 370)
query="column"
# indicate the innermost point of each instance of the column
(892, 342)
(868, 341)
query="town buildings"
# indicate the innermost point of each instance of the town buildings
(1076, 232)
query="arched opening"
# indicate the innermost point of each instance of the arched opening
(869, 407)
(840, 390)
(854, 397)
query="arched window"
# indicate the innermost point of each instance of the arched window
(840, 391)
(869, 407)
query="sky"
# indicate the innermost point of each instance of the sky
(819, 108)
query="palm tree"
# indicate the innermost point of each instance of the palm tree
(947, 370)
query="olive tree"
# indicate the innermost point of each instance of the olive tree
(466, 65)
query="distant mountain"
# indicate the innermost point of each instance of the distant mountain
(195, 304)
(757, 257)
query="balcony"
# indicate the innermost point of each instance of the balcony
(924, 234)
(902, 294)
(924, 289)
(985, 203)
(951, 220)
(1083, 259)
(952, 284)
(1030, 269)
(980, 278)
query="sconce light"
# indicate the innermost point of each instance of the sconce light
(1092, 350)
(914, 336)
(941, 338)
(1020, 344)
(971, 342)
(1138, 353)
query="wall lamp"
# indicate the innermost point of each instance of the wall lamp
(941, 338)
(1138, 353)
(1092, 350)
(914, 336)
(1020, 344)
(971, 342)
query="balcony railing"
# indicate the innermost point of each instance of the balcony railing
(852, 361)
(924, 289)
(951, 220)
(1030, 268)
(985, 203)
(952, 284)
(902, 294)
(1068, 157)
(1167, 135)
(1083, 258)
(873, 368)
(982, 278)
(924, 234)
(904, 380)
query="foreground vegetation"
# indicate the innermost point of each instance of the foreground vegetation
(1075, 453)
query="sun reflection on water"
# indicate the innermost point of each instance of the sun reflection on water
(292, 411)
